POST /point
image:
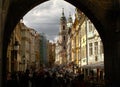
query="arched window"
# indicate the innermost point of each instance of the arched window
(63, 27)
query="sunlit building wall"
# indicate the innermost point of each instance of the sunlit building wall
(57, 56)
(78, 39)
(87, 40)
(95, 46)
(25, 44)
(69, 27)
(72, 50)
(32, 60)
(73, 43)
(28, 44)
(83, 44)
(14, 56)
(17, 33)
(68, 47)
(51, 52)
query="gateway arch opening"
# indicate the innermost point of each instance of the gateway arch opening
(78, 48)
(103, 14)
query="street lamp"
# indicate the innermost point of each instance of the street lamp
(16, 46)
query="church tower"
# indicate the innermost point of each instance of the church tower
(63, 27)
(63, 37)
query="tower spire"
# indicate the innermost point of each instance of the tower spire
(63, 18)
(63, 12)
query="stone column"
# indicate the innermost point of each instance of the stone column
(3, 12)
(112, 63)
(112, 51)
(0, 43)
(112, 47)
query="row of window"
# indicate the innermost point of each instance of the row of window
(95, 48)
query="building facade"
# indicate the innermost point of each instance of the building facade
(51, 53)
(84, 47)
(44, 50)
(14, 59)
(22, 50)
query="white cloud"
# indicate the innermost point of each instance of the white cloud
(46, 16)
(56, 38)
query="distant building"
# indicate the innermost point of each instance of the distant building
(57, 55)
(51, 52)
(37, 50)
(43, 49)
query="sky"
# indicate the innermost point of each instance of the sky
(45, 18)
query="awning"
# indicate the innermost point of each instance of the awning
(95, 65)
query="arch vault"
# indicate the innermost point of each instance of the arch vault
(103, 13)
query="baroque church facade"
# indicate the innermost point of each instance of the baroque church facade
(63, 38)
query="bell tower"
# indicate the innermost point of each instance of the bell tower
(63, 37)
(63, 27)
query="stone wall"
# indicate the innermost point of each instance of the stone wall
(0, 43)
(4, 4)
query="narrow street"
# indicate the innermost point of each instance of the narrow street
(51, 78)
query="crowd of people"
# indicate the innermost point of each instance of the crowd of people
(46, 78)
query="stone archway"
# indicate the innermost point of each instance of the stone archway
(104, 14)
